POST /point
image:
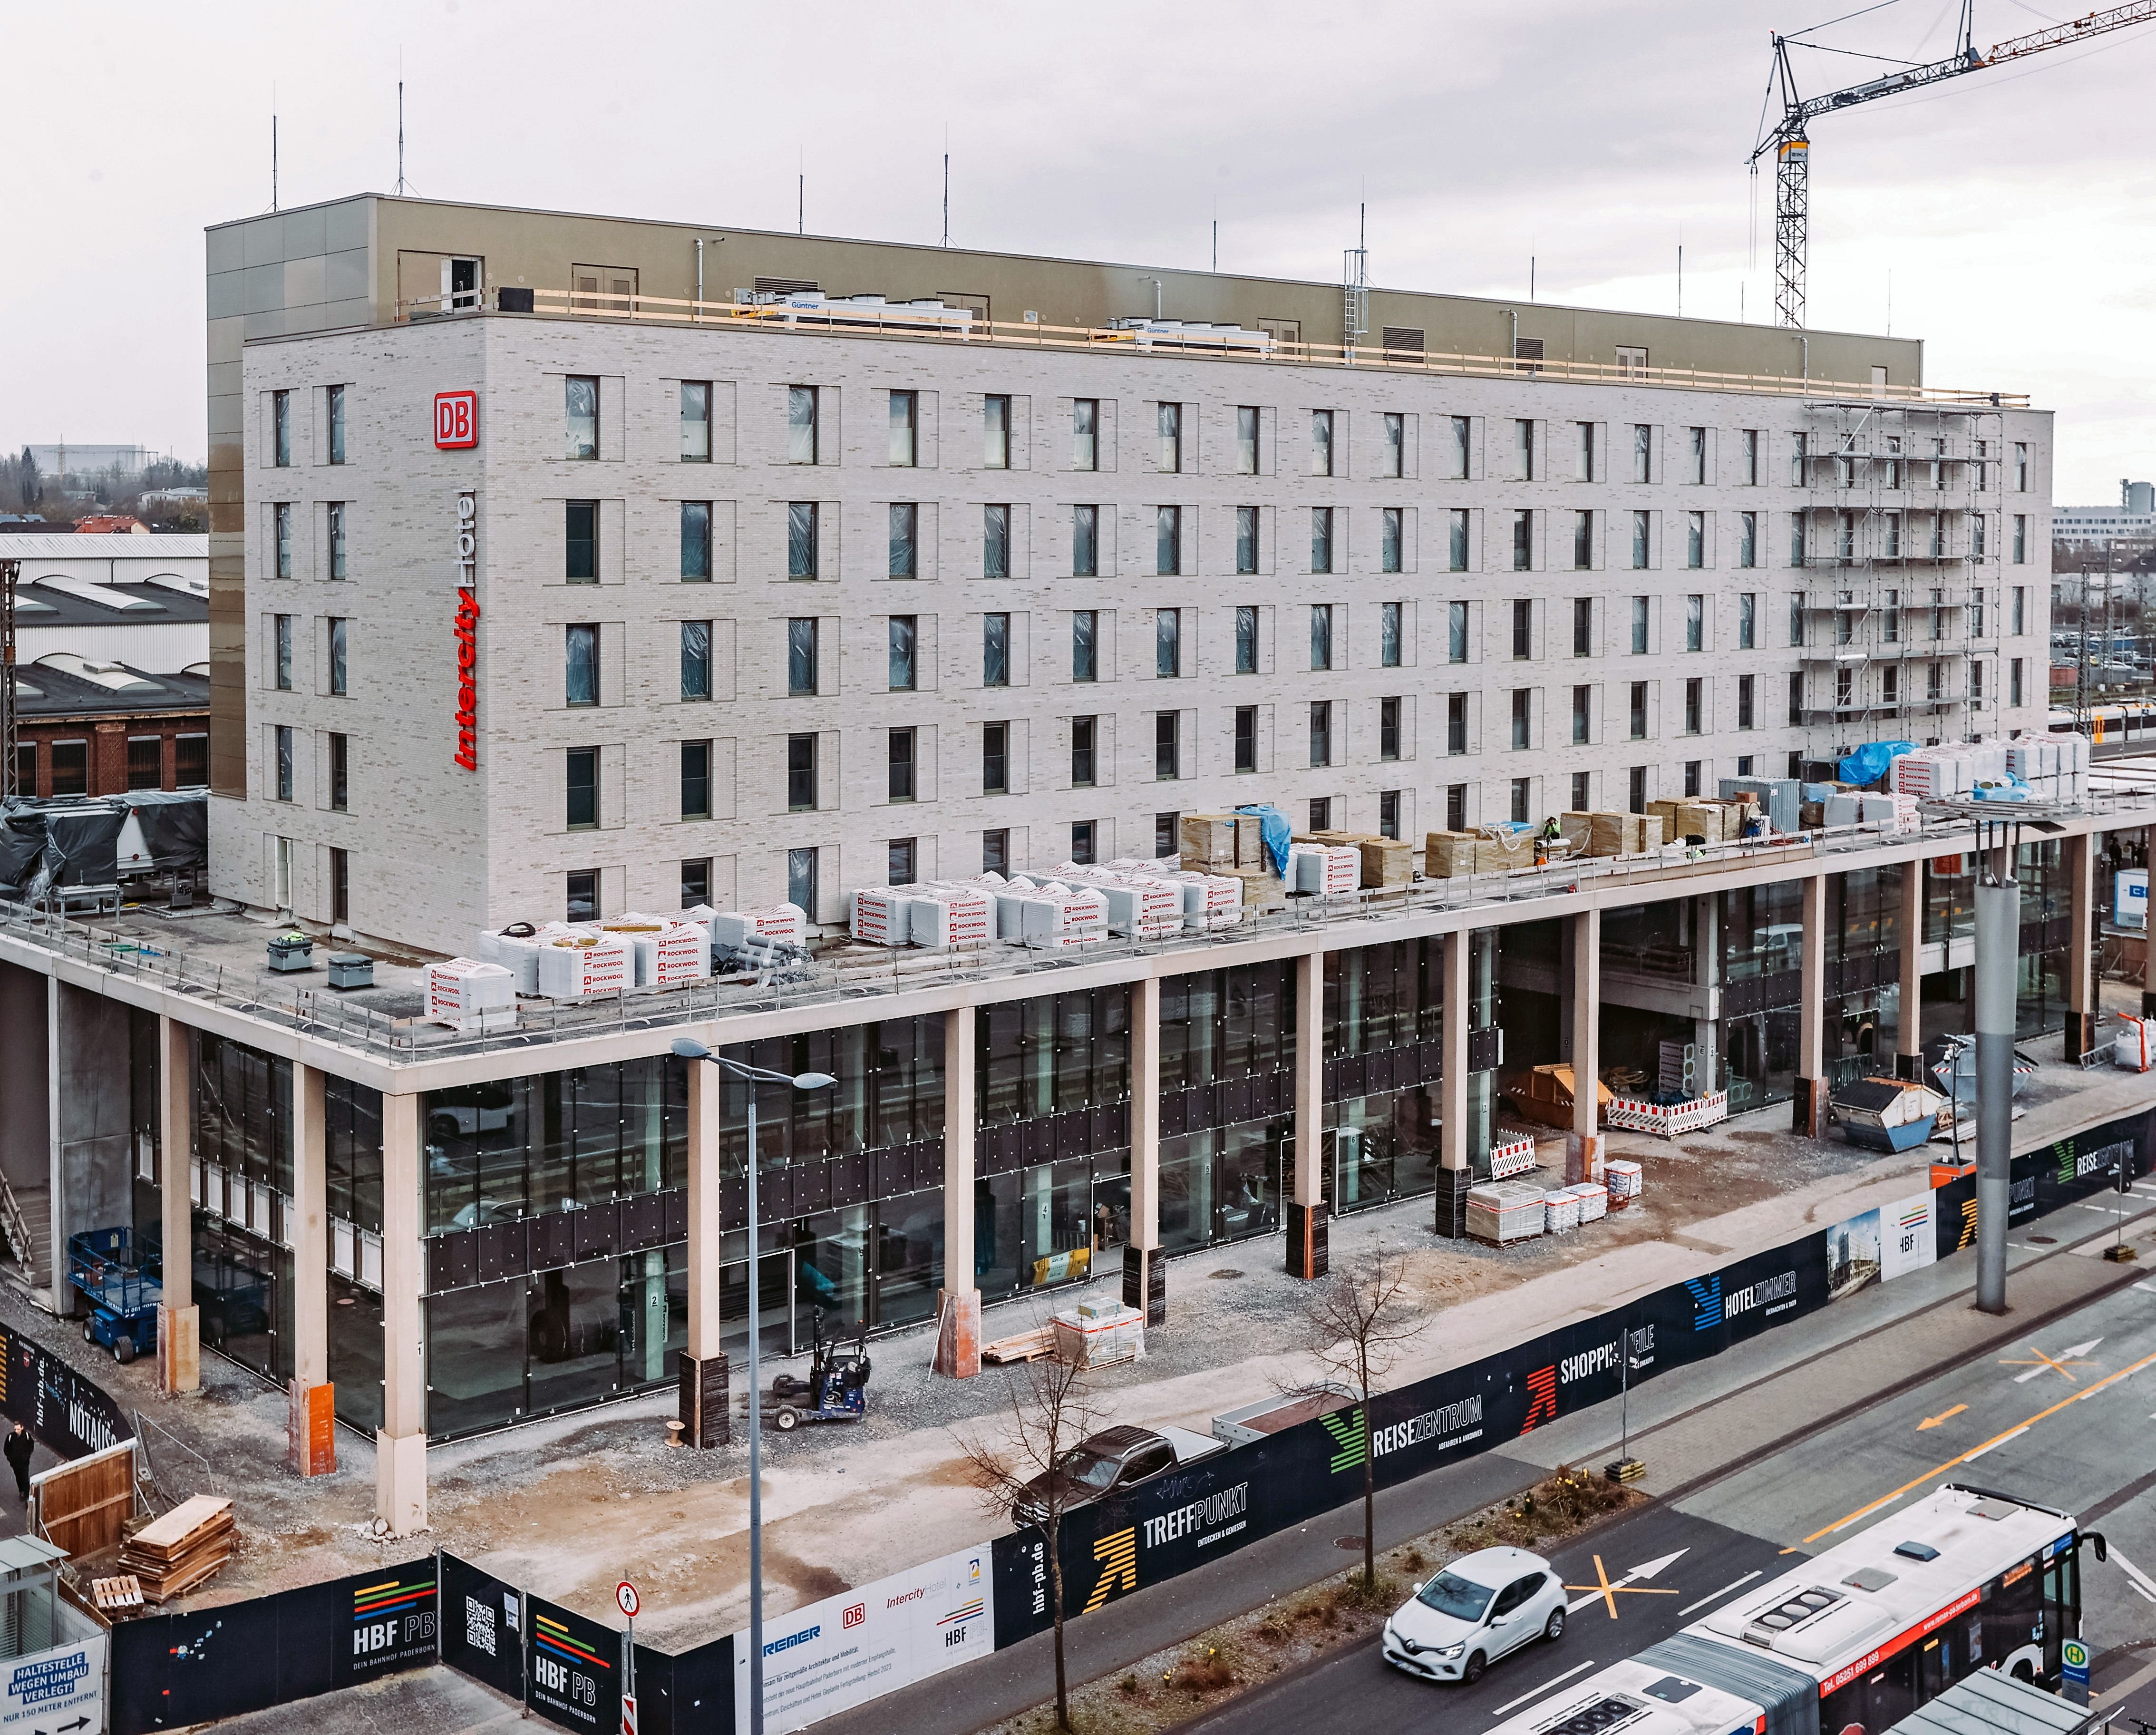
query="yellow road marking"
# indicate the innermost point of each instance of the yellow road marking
(1943, 1416)
(2044, 1361)
(1609, 1592)
(1977, 1450)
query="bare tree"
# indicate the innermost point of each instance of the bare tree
(1356, 1323)
(1050, 1413)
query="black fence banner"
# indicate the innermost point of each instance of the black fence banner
(386, 1620)
(691, 1694)
(70, 1412)
(2059, 1175)
(576, 1668)
(483, 1623)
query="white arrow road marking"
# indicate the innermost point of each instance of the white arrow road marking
(1717, 1595)
(2047, 1362)
(1536, 1692)
(2141, 1580)
(2146, 1288)
(1648, 1571)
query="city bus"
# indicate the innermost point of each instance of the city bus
(1851, 1640)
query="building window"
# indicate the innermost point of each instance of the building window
(1167, 745)
(1388, 728)
(1321, 443)
(995, 851)
(2020, 541)
(1643, 451)
(1456, 541)
(995, 432)
(1246, 641)
(1393, 461)
(801, 539)
(581, 903)
(339, 565)
(1083, 732)
(695, 542)
(1890, 528)
(1845, 536)
(801, 773)
(580, 532)
(1455, 807)
(1696, 438)
(899, 860)
(1167, 643)
(1638, 714)
(1085, 433)
(696, 883)
(696, 659)
(1694, 703)
(1389, 813)
(1523, 795)
(995, 650)
(1796, 618)
(280, 637)
(1747, 616)
(695, 780)
(1583, 540)
(903, 561)
(1796, 700)
(1523, 629)
(1744, 718)
(995, 541)
(1976, 614)
(1890, 685)
(1084, 643)
(1455, 722)
(1581, 715)
(1796, 539)
(1166, 834)
(899, 761)
(1170, 459)
(70, 766)
(281, 523)
(1320, 539)
(1085, 541)
(1388, 635)
(1890, 617)
(1639, 612)
(2021, 465)
(1246, 439)
(2014, 682)
(1168, 540)
(2020, 609)
(1695, 622)
(1456, 632)
(339, 772)
(1321, 635)
(190, 762)
(1695, 539)
(335, 395)
(1976, 540)
(1458, 449)
(1747, 539)
(581, 660)
(1523, 450)
(339, 888)
(803, 425)
(1320, 732)
(1693, 767)
(1081, 842)
(1321, 813)
(582, 784)
(1522, 700)
(1799, 451)
(1580, 787)
(1639, 542)
(1391, 535)
(995, 759)
(903, 451)
(339, 632)
(1751, 457)
(1246, 540)
(804, 879)
(1636, 791)
(695, 421)
(1523, 541)
(904, 633)
(1583, 460)
(281, 429)
(581, 416)
(801, 656)
(1246, 738)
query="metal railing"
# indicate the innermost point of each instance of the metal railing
(861, 975)
(840, 318)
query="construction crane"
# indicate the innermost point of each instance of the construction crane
(1788, 138)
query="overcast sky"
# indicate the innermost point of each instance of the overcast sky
(2013, 208)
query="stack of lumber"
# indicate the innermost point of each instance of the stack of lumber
(1386, 861)
(171, 1555)
(1025, 1347)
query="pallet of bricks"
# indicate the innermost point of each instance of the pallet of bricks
(1449, 854)
(170, 1556)
(1232, 845)
(1707, 821)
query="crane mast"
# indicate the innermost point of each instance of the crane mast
(1789, 138)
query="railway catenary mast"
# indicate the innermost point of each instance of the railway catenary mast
(1788, 139)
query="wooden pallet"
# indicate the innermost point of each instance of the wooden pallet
(1025, 1347)
(173, 1554)
(114, 1594)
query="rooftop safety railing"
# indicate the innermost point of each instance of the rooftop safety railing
(862, 972)
(874, 318)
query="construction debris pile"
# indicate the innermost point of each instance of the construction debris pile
(171, 1555)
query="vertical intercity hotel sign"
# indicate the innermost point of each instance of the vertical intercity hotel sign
(467, 631)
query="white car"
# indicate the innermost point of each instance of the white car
(1473, 1612)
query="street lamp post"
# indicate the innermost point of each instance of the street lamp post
(689, 1049)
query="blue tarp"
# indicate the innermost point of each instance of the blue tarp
(1273, 828)
(1868, 764)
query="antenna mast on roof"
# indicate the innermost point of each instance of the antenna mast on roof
(273, 159)
(400, 137)
(946, 198)
(1355, 289)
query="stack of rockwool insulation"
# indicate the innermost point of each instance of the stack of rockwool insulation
(944, 914)
(1143, 905)
(1622, 1178)
(1593, 1200)
(772, 922)
(1560, 1211)
(883, 915)
(1501, 1211)
(571, 966)
(516, 948)
(471, 994)
(675, 952)
(1054, 916)
(1326, 869)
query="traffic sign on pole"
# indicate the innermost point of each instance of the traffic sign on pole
(626, 1599)
(2074, 1661)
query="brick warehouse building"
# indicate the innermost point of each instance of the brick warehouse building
(86, 728)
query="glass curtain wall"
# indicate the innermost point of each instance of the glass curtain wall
(1225, 1182)
(1383, 1145)
(242, 1272)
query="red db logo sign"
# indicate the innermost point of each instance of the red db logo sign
(456, 419)
(854, 1616)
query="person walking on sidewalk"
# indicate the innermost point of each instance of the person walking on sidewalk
(20, 1447)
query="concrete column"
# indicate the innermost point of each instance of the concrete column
(1145, 1271)
(1998, 939)
(309, 1422)
(959, 1303)
(705, 1415)
(1306, 1244)
(1583, 1145)
(179, 1320)
(1809, 1115)
(1909, 1032)
(1452, 1147)
(2081, 1002)
(400, 1448)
